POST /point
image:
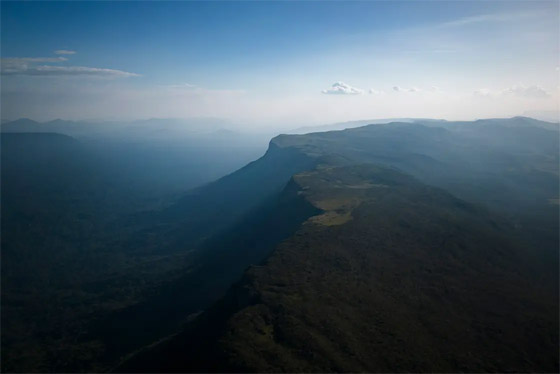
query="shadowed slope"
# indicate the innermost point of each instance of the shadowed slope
(414, 280)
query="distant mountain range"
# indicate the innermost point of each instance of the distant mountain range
(352, 124)
(409, 246)
(153, 128)
(426, 121)
(197, 126)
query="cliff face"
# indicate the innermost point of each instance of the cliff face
(386, 271)
(222, 260)
(212, 208)
(414, 280)
(388, 275)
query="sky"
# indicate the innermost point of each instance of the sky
(279, 62)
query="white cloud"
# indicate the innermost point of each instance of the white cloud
(14, 65)
(30, 60)
(77, 70)
(182, 86)
(521, 91)
(531, 92)
(483, 92)
(341, 88)
(490, 18)
(64, 52)
(403, 89)
(373, 91)
(29, 66)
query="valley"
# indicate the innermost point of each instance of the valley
(408, 246)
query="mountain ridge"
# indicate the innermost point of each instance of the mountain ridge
(462, 188)
(317, 270)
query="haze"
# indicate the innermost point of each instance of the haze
(280, 186)
(268, 64)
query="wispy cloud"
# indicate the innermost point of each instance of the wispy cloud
(14, 65)
(418, 90)
(182, 86)
(49, 70)
(521, 91)
(30, 66)
(341, 88)
(531, 92)
(64, 52)
(29, 60)
(483, 92)
(488, 18)
(403, 89)
(373, 91)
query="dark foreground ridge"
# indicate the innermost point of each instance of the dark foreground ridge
(390, 276)
(418, 246)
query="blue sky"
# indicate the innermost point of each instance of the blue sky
(269, 62)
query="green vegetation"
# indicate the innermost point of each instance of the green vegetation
(425, 246)
(94, 253)
(65, 262)
(416, 281)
